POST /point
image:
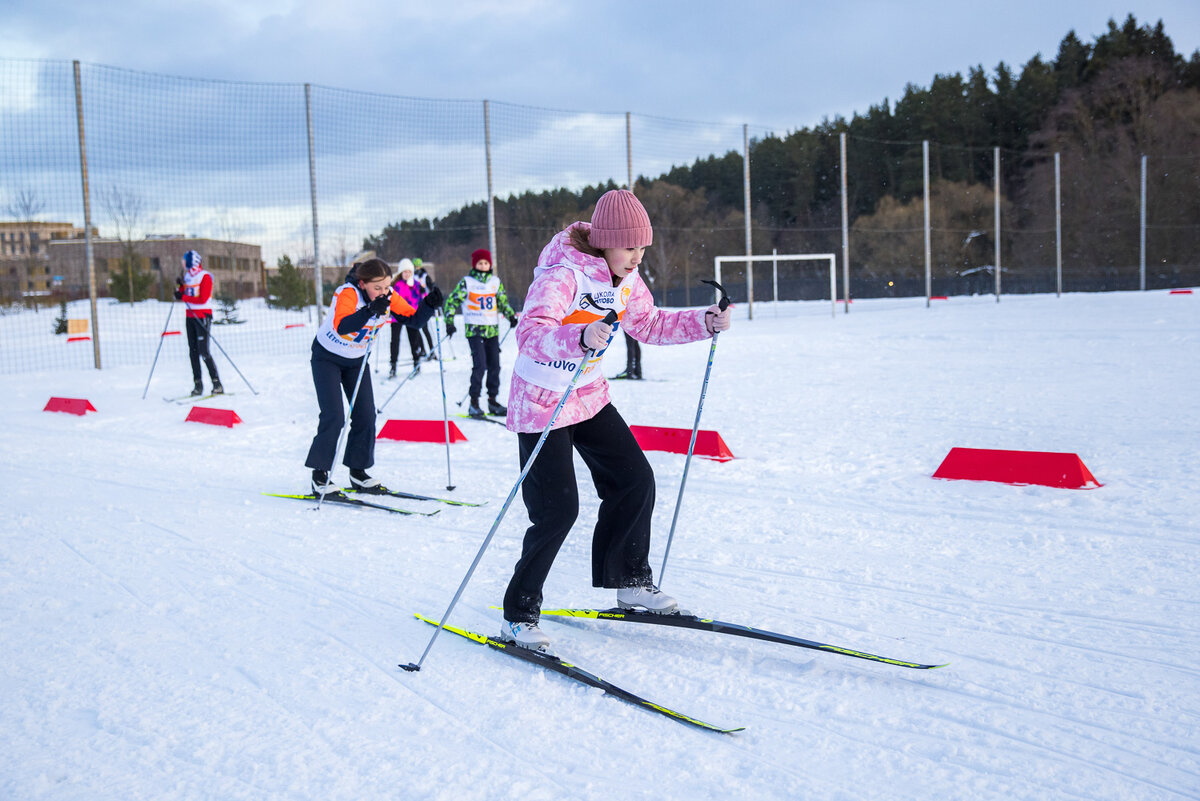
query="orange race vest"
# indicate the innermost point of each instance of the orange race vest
(556, 374)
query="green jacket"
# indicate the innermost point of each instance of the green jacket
(456, 298)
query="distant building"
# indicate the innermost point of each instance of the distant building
(24, 257)
(237, 268)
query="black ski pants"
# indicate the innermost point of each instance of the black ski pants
(414, 342)
(624, 481)
(199, 334)
(333, 377)
(633, 357)
(485, 356)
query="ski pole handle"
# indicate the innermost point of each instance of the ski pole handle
(723, 303)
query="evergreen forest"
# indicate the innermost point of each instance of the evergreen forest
(1100, 106)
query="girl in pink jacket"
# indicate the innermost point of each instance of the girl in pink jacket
(586, 271)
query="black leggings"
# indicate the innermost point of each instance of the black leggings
(414, 342)
(621, 539)
(199, 335)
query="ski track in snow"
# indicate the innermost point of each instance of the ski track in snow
(169, 632)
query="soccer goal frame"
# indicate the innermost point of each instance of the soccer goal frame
(776, 258)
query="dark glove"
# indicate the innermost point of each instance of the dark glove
(435, 298)
(512, 320)
(178, 293)
(450, 329)
(381, 304)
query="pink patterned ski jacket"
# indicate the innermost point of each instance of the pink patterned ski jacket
(542, 334)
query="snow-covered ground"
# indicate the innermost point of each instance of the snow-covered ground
(168, 632)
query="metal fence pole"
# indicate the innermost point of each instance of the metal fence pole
(491, 200)
(89, 254)
(996, 199)
(1142, 244)
(775, 279)
(1058, 224)
(928, 249)
(749, 240)
(845, 229)
(629, 151)
(312, 187)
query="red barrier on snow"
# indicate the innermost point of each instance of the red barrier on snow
(294, 325)
(83, 338)
(170, 333)
(78, 406)
(213, 417)
(938, 297)
(675, 440)
(420, 431)
(1181, 291)
(1017, 467)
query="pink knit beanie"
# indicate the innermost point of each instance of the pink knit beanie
(620, 221)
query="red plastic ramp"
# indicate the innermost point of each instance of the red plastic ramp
(420, 431)
(213, 417)
(1044, 468)
(675, 440)
(78, 406)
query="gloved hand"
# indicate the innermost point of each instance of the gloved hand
(716, 320)
(512, 320)
(435, 298)
(178, 293)
(450, 329)
(381, 304)
(595, 335)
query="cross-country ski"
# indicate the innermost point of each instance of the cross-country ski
(571, 671)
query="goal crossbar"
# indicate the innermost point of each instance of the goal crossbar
(830, 257)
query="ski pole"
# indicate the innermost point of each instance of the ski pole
(610, 318)
(353, 397)
(468, 392)
(416, 369)
(158, 350)
(449, 341)
(226, 355)
(437, 329)
(723, 303)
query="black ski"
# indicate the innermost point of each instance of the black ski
(688, 621)
(483, 419)
(412, 496)
(338, 498)
(578, 674)
(188, 400)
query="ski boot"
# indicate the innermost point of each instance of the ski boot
(217, 388)
(525, 635)
(197, 390)
(321, 485)
(361, 482)
(495, 407)
(473, 410)
(650, 598)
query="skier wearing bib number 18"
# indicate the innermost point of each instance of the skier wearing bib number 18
(483, 300)
(586, 271)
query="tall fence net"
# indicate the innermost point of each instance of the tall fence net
(265, 178)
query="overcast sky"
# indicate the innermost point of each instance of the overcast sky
(783, 64)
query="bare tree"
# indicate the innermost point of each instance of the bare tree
(25, 207)
(127, 211)
(675, 213)
(231, 230)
